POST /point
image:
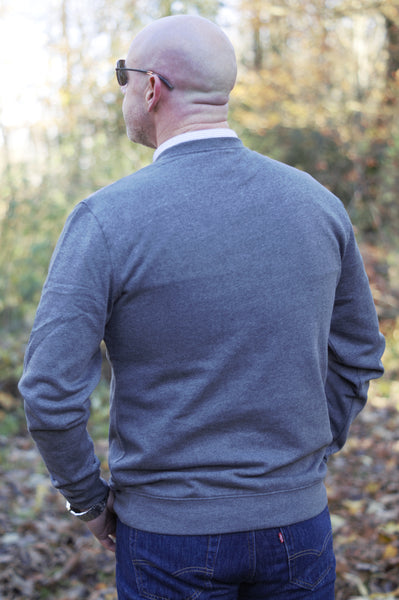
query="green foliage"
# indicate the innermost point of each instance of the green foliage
(99, 421)
(388, 183)
(28, 231)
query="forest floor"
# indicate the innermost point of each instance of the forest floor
(44, 553)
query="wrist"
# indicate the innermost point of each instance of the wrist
(91, 513)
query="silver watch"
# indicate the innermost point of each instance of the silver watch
(90, 513)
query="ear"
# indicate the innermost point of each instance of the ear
(153, 92)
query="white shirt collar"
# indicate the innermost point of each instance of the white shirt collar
(189, 136)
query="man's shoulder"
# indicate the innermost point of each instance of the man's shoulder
(128, 189)
(120, 186)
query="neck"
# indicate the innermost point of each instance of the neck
(195, 134)
(168, 133)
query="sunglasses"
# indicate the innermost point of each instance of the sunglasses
(121, 74)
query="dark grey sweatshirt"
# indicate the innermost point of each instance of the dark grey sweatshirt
(241, 331)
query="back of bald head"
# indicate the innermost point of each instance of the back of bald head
(192, 52)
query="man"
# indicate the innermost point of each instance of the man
(242, 336)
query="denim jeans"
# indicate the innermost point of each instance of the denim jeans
(288, 563)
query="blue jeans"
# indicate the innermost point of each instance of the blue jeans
(287, 563)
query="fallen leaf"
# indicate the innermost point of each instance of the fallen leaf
(390, 551)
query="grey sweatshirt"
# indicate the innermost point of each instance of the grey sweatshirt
(241, 331)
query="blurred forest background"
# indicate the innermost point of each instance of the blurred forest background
(318, 88)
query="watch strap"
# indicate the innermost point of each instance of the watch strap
(91, 513)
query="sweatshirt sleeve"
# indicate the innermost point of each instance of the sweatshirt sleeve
(63, 359)
(355, 346)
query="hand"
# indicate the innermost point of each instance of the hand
(103, 527)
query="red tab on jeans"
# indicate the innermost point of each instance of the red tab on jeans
(280, 537)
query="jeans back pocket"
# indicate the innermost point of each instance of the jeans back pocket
(168, 567)
(310, 552)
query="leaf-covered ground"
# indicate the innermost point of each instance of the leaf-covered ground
(363, 489)
(46, 554)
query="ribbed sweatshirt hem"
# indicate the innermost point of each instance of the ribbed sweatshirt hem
(223, 514)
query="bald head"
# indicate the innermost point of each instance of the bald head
(192, 52)
(197, 58)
